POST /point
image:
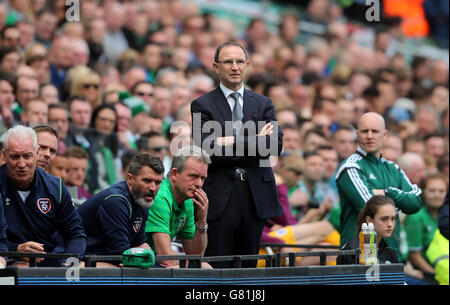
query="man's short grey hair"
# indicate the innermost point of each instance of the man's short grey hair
(21, 132)
(144, 159)
(75, 42)
(408, 159)
(193, 81)
(183, 154)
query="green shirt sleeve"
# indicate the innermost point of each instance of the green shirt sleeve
(407, 196)
(414, 232)
(354, 187)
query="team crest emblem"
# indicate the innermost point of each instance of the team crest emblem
(44, 205)
(181, 223)
(137, 224)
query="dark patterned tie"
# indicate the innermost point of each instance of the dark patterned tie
(237, 112)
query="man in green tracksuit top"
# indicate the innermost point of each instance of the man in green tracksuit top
(366, 173)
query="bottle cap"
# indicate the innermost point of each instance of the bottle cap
(364, 226)
(371, 227)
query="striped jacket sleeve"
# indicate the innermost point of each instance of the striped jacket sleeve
(353, 185)
(407, 195)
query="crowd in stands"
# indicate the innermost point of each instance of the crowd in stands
(120, 81)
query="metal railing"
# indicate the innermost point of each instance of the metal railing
(33, 256)
(272, 260)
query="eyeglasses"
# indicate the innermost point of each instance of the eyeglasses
(87, 86)
(144, 94)
(106, 120)
(295, 171)
(159, 148)
(10, 39)
(230, 62)
(62, 120)
(322, 126)
(28, 91)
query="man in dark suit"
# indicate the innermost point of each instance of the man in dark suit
(239, 130)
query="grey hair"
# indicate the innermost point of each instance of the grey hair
(406, 160)
(226, 44)
(82, 43)
(200, 78)
(145, 159)
(183, 154)
(20, 132)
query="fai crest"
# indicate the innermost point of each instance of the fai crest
(181, 223)
(44, 205)
(137, 224)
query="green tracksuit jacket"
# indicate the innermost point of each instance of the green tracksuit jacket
(361, 173)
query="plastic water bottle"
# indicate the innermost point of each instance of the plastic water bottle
(363, 234)
(373, 258)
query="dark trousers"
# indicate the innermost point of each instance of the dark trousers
(238, 230)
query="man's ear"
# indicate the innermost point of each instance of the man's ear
(173, 173)
(129, 177)
(215, 67)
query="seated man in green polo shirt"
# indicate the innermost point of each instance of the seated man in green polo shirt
(172, 213)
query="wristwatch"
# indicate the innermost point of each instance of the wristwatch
(201, 229)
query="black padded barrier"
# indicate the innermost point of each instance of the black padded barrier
(386, 274)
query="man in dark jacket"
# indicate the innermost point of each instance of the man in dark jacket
(115, 218)
(36, 204)
(240, 184)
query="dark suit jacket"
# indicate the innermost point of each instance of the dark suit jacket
(213, 106)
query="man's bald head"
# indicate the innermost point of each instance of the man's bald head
(371, 116)
(371, 133)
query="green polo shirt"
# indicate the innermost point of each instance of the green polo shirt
(166, 216)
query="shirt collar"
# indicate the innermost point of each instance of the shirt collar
(227, 91)
(361, 151)
(176, 208)
(364, 153)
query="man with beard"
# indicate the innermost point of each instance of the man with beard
(114, 219)
(181, 207)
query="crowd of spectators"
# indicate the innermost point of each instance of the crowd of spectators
(115, 83)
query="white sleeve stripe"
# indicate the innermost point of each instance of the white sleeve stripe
(415, 191)
(357, 182)
(406, 177)
(414, 188)
(351, 162)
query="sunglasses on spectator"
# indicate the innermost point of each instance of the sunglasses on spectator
(10, 39)
(321, 126)
(150, 94)
(159, 148)
(87, 86)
